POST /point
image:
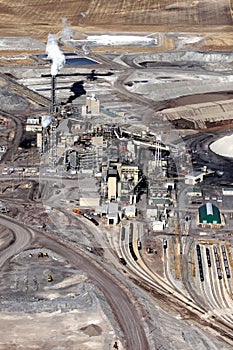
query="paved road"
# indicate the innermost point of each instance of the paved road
(121, 305)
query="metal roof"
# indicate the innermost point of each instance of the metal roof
(209, 213)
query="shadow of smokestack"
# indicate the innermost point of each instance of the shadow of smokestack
(78, 90)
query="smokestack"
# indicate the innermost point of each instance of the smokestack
(58, 60)
(53, 94)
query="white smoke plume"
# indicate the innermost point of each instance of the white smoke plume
(54, 54)
(46, 122)
(67, 32)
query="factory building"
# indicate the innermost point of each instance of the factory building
(129, 179)
(33, 124)
(39, 140)
(89, 202)
(92, 106)
(151, 212)
(130, 172)
(227, 191)
(158, 225)
(130, 211)
(73, 159)
(3, 207)
(209, 216)
(121, 180)
(86, 160)
(112, 184)
(193, 179)
(113, 214)
(194, 192)
(3, 150)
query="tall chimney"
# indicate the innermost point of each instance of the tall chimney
(53, 94)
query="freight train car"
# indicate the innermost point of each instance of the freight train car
(201, 273)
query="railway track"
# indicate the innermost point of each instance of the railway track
(166, 296)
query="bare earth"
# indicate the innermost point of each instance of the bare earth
(38, 18)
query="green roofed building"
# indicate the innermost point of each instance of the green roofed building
(209, 216)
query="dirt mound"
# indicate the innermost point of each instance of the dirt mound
(92, 330)
(11, 102)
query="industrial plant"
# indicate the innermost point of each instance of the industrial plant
(116, 184)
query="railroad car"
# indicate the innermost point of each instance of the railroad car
(227, 272)
(215, 250)
(219, 273)
(123, 233)
(139, 245)
(208, 257)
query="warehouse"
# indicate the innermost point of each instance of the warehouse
(227, 191)
(209, 216)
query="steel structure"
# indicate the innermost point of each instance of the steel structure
(53, 132)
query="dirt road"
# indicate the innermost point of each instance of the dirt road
(122, 307)
(22, 239)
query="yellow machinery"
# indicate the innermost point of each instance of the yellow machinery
(42, 254)
(50, 278)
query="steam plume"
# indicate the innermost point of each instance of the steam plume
(67, 32)
(46, 122)
(54, 54)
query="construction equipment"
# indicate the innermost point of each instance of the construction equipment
(50, 278)
(42, 254)
(45, 254)
(76, 211)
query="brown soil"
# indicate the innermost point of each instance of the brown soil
(38, 18)
(153, 260)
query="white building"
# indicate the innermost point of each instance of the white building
(227, 191)
(193, 179)
(113, 214)
(157, 226)
(89, 202)
(130, 211)
(151, 212)
(92, 106)
(33, 124)
(194, 192)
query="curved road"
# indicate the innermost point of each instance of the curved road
(22, 236)
(121, 305)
